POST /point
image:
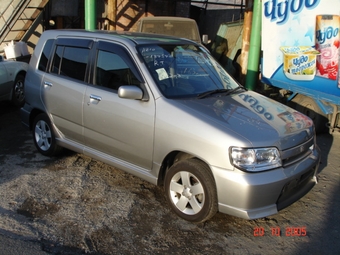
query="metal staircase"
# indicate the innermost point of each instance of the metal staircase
(18, 19)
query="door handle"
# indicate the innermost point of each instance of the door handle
(94, 99)
(98, 98)
(47, 83)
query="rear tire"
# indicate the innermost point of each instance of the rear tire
(18, 91)
(191, 191)
(43, 136)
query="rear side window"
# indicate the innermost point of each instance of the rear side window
(45, 55)
(70, 62)
(71, 57)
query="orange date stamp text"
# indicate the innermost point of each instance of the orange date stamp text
(277, 231)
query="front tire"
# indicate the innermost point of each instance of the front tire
(191, 191)
(43, 136)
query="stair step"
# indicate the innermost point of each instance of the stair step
(26, 19)
(18, 30)
(33, 7)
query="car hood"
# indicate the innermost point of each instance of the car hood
(262, 121)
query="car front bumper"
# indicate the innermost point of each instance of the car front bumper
(256, 195)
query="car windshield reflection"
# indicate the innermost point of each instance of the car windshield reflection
(185, 70)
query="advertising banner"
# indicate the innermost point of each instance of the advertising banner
(300, 44)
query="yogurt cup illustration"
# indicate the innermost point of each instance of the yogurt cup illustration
(299, 62)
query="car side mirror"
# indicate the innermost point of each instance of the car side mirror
(130, 92)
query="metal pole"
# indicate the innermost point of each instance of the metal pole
(90, 14)
(248, 16)
(254, 47)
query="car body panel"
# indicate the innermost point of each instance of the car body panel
(5, 86)
(59, 97)
(224, 120)
(110, 126)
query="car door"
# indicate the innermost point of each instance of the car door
(64, 86)
(122, 128)
(5, 84)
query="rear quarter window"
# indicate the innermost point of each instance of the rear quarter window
(45, 55)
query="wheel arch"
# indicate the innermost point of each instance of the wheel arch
(34, 113)
(172, 158)
(21, 72)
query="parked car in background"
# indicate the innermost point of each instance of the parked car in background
(173, 26)
(162, 108)
(12, 77)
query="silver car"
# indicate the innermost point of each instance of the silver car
(163, 109)
(12, 77)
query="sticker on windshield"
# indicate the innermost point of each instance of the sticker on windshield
(162, 74)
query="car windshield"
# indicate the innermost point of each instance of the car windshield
(186, 71)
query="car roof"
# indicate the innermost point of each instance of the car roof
(135, 37)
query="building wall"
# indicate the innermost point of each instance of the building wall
(57, 15)
(130, 11)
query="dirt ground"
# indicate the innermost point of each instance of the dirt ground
(73, 205)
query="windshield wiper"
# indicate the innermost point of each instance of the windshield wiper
(231, 91)
(211, 92)
(216, 91)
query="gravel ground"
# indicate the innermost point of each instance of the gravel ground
(73, 204)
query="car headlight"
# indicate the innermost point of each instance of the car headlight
(255, 160)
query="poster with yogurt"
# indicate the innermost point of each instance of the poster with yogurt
(300, 44)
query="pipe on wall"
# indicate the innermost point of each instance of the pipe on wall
(90, 14)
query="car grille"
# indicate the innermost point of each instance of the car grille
(297, 153)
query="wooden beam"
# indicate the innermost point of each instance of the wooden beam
(111, 14)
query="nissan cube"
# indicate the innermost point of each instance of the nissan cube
(163, 109)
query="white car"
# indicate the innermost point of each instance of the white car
(12, 77)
